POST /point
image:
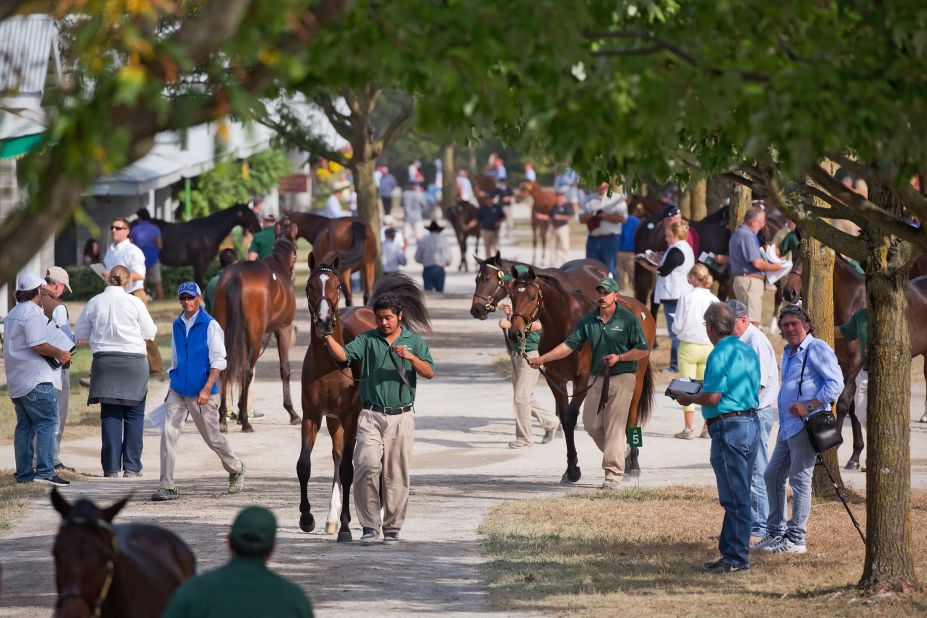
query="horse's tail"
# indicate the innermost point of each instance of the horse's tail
(352, 256)
(236, 331)
(645, 405)
(414, 311)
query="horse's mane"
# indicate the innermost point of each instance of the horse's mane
(414, 312)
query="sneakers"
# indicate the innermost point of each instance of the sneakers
(685, 434)
(720, 566)
(519, 444)
(705, 433)
(84, 381)
(163, 495)
(550, 434)
(237, 480)
(111, 475)
(786, 546)
(767, 541)
(129, 474)
(390, 538)
(610, 485)
(371, 536)
(56, 480)
(60, 467)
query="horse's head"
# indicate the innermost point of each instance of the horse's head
(527, 299)
(490, 286)
(284, 255)
(287, 228)
(524, 190)
(791, 290)
(323, 291)
(85, 555)
(247, 219)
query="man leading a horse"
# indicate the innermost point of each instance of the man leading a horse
(617, 343)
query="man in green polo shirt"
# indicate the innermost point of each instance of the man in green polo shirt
(383, 451)
(263, 242)
(617, 343)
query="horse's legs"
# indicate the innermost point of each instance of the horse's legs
(336, 431)
(462, 243)
(369, 275)
(847, 407)
(348, 288)
(632, 467)
(534, 242)
(224, 385)
(243, 401)
(346, 474)
(924, 417)
(284, 341)
(568, 414)
(310, 431)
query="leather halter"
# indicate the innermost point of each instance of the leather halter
(529, 320)
(490, 301)
(314, 311)
(70, 593)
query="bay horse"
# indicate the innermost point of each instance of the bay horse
(356, 244)
(112, 570)
(196, 242)
(254, 298)
(542, 297)
(542, 201)
(461, 218)
(329, 390)
(308, 224)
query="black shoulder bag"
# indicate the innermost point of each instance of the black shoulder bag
(822, 427)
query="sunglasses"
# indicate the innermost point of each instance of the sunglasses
(186, 297)
(793, 310)
(116, 227)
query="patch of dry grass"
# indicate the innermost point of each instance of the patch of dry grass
(14, 497)
(639, 552)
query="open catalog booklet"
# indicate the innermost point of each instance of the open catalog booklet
(771, 255)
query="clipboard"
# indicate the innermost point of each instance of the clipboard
(99, 269)
(56, 338)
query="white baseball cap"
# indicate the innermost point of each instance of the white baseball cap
(28, 281)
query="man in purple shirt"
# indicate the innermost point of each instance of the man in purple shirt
(147, 237)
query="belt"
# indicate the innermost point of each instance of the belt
(749, 412)
(385, 410)
(750, 275)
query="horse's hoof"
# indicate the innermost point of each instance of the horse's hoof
(851, 465)
(633, 473)
(306, 522)
(571, 476)
(247, 429)
(295, 420)
(223, 427)
(331, 527)
(345, 536)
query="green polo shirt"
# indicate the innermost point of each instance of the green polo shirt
(858, 328)
(381, 384)
(209, 294)
(532, 341)
(243, 587)
(621, 333)
(263, 243)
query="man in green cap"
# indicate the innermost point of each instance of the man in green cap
(617, 343)
(245, 586)
(524, 379)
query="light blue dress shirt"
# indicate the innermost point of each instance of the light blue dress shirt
(822, 381)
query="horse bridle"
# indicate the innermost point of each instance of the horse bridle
(537, 309)
(96, 604)
(490, 301)
(315, 311)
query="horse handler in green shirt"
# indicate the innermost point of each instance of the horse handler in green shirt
(617, 342)
(383, 452)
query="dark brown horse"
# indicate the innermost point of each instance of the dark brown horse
(114, 570)
(542, 297)
(461, 218)
(308, 224)
(330, 390)
(254, 298)
(356, 244)
(196, 242)
(543, 200)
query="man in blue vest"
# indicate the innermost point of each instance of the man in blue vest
(198, 355)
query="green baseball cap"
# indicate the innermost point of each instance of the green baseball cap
(254, 529)
(608, 284)
(521, 269)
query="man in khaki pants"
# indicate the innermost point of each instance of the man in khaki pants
(617, 343)
(383, 451)
(197, 355)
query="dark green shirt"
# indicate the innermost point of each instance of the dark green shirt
(620, 334)
(858, 328)
(381, 383)
(244, 587)
(209, 296)
(263, 243)
(789, 244)
(532, 341)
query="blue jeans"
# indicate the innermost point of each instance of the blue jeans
(36, 421)
(669, 307)
(792, 460)
(433, 277)
(604, 249)
(759, 501)
(734, 442)
(123, 427)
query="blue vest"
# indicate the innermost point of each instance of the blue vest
(192, 371)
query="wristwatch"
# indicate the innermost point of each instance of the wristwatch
(810, 407)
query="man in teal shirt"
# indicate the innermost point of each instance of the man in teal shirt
(244, 587)
(617, 343)
(729, 397)
(263, 242)
(383, 450)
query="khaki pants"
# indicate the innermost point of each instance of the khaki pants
(383, 453)
(206, 418)
(749, 291)
(607, 428)
(625, 267)
(155, 365)
(524, 379)
(490, 241)
(561, 238)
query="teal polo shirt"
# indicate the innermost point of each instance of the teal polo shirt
(532, 341)
(621, 333)
(732, 369)
(380, 381)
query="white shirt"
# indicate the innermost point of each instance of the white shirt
(689, 323)
(769, 371)
(466, 189)
(333, 208)
(128, 255)
(215, 342)
(115, 321)
(530, 174)
(393, 256)
(25, 327)
(614, 204)
(399, 239)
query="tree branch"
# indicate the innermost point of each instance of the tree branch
(341, 122)
(203, 33)
(310, 143)
(838, 209)
(397, 128)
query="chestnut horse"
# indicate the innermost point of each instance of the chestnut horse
(356, 244)
(111, 570)
(542, 297)
(330, 390)
(461, 218)
(543, 200)
(254, 298)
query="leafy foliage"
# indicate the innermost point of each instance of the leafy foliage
(228, 184)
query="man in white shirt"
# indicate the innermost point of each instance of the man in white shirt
(769, 392)
(122, 252)
(333, 208)
(465, 188)
(32, 384)
(57, 282)
(603, 215)
(195, 391)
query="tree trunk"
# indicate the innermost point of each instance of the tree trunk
(740, 202)
(367, 207)
(718, 190)
(449, 179)
(698, 209)
(685, 203)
